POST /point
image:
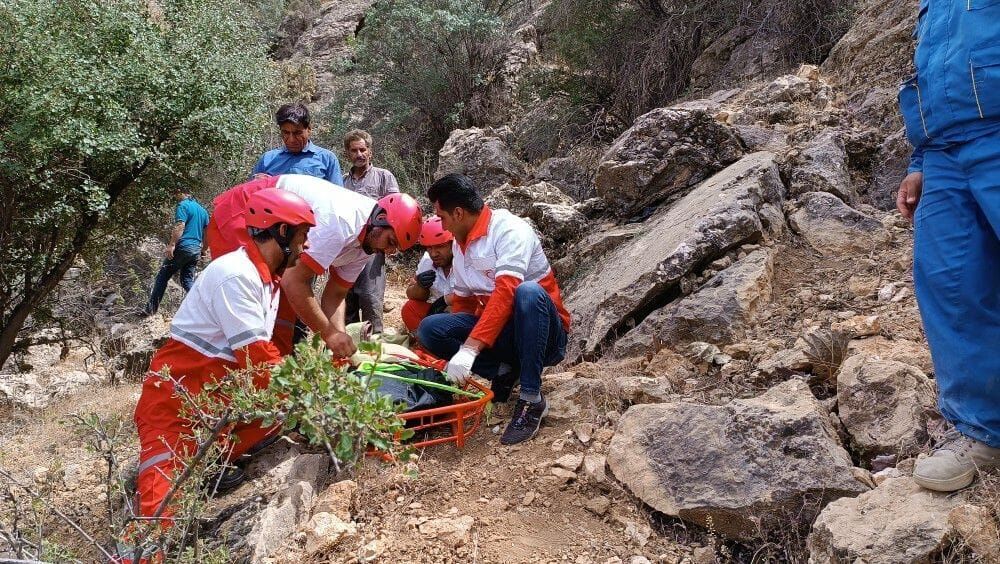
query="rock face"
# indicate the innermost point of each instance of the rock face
(821, 166)
(560, 225)
(871, 58)
(897, 522)
(569, 175)
(773, 457)
(891, 162)
(832, 227)
(664, 153)
(639, 271)
(884, 405)
(718, 312)
(291, 506)
(519, 200)
(483, 155)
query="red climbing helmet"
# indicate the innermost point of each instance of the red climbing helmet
(403, 215)
(271, 206)
(433, 232)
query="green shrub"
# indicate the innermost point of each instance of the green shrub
(106, 107)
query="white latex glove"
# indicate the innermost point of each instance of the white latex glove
(460, 365)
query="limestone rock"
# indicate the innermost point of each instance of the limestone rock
(859, 325)
(291, 506)
(891, 162)
(757, 138)
(900, 350)
(665, 152)
(337, 499)
(483, 155)
(569, 461)
(884, 405)
(978, 530)
(325, 531)
(869, 60)
(821, 166)
(766, 455)
(896, 522)
(519, 200)
(453, 531)
(559, 225)
(719, 312)
(593, 467)
(569, 175)
(634, 275)
(833, 228)
(569, 400)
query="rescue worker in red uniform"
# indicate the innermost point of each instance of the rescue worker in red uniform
(224, 324)
(428, 291)
(350, 227)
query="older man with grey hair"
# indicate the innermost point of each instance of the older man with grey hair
(366, 299)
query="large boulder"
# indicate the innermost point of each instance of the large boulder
(775, 458)
(569, 175)
(898, 522)
(559, 224)
(521, 198)
(483, 155)
(613, 292)
(821, 166)
(884, 406)
(719, 312)
(300, 479)
(665, 152)
(833, 228)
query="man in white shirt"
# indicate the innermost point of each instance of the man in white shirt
(350, 227)
(224, 323)
(428, 291)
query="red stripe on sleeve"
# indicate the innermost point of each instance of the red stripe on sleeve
(497, 311)
(311, 263)
(336, 278)
(464, 304)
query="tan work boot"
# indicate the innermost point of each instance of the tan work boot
(954, 463)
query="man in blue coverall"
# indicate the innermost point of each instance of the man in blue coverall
(952, 193)
(182, 252)
(299, 155)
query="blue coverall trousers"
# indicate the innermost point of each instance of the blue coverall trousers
(956, 271)
(533, 338)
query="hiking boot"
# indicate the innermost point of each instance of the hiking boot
(953, 463)
(228, 480)
(526, 421)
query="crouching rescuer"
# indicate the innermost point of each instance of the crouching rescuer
(507, 316)
(224, 324)
(428, 291)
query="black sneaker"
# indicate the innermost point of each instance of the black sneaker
(527, 418)
(228, 480)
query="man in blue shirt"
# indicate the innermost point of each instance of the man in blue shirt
(299, 155)
(181, 254)
(951, 108)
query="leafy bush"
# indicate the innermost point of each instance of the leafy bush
(107, 106)
(435, 65)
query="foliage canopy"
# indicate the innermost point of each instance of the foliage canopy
(107, 107)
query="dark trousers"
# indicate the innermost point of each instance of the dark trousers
(366, 298)
(184, 261)
(533, 338)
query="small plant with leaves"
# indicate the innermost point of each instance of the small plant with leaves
(827, 350)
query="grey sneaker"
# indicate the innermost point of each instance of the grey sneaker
(953, 463)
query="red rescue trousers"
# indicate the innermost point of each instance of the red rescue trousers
(413, 312)
(165, 437)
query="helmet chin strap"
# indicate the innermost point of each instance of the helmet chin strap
(373, 221)
(283, 241)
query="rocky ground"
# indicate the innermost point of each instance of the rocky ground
(747, 378)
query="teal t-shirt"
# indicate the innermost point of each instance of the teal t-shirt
(195, 220)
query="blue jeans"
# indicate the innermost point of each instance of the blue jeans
(184, 261)
(956, 273)
(532, 339)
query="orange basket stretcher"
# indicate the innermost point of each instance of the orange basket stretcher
(451, 423)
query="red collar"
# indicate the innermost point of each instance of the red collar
(479, 229)
(258, 261)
